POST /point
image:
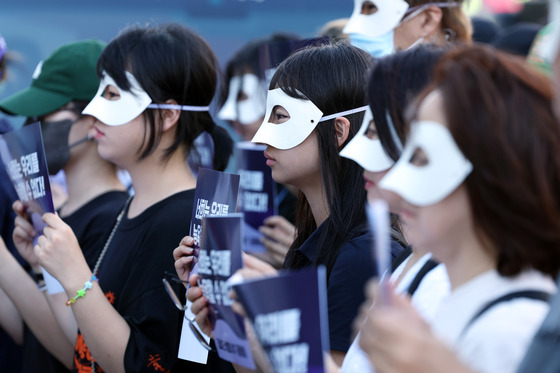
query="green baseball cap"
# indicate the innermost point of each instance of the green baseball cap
(68, 74)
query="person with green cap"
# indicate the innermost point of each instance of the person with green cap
(62, 86)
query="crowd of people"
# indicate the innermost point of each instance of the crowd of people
(402, 101)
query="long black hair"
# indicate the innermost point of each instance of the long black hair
(333, 77)
(170, 62)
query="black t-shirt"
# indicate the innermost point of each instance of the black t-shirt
(91, 224)
(131, 278)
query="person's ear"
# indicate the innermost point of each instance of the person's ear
(170, 116)
(342, 130)
(431, 21)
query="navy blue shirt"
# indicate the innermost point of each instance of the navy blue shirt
(353, 267)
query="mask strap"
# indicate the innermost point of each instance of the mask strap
(179, 107)
(343, 113)
(393, 130)
(87, 138)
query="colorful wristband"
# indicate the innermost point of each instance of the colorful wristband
(82, 292)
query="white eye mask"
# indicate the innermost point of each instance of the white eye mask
(304, 117)
(388, 16)
(367, 152)
(428, 184)
(249, 110)
(130, 104)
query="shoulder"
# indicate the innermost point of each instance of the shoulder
(498, 340)
(358, 248)
(99, 212)
(166, 221)
(170, 211)
(355, 259)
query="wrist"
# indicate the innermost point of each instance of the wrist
(75, 281)
(81, 292)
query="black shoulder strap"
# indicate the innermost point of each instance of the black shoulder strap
(426, 268)
(531, 294)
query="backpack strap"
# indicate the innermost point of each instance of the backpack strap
(530, 294)
(426, 268)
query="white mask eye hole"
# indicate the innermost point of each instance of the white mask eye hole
(419, 158)
(369, 8)
(371, 132)
(111, 93)
(279, 115)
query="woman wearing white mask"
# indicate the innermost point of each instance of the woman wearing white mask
(244, 109)
(152, 103)
(315, 107)
(383, 26)
(479, 180)
(394, 81)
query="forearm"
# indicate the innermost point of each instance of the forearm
(10, 320)
(33, 308)
(63, 315)
(105, 331)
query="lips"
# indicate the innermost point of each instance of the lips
(369, 183)
(270, 161)
(98, 133)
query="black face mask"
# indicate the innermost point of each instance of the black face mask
(55, 139)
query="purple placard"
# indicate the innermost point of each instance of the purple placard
(216, 194)
(23, 155)
(257, 192)
(219, 257)
(289, 315)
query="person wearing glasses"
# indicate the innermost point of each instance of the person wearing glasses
(62, 85)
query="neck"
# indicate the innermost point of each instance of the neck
(87, 178)
(471, 260)
(153, 180)
(315, 195)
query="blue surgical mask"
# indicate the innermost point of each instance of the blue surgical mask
(379, 46)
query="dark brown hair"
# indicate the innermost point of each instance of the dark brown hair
(454, 21)
(498, 110)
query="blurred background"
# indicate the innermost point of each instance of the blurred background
(34, 28)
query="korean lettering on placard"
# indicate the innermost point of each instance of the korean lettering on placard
(218, 263)
(252, 184)
(21, 172)
(203, 208)
(281, 331)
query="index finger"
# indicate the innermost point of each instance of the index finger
(259, 265)
(19, 208)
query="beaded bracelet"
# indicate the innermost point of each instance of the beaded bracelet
(80, 293)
